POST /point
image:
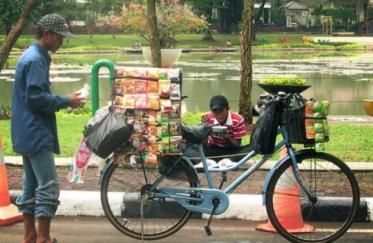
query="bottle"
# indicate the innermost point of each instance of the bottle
(83, 93)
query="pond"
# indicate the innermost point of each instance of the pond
(343, 78)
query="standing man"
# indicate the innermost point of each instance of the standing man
(34, 130)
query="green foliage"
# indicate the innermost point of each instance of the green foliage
(9, 13)
(172, 18)
(283, 80)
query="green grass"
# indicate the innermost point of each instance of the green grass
(107, 42)
(350, 142)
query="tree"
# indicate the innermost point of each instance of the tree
(15, 32)
(9, 13)
(172, 18)
(155, 44)
(246, 62)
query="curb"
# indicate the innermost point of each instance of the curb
(241, 206)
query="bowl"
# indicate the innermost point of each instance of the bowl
(219, 129)
(274, 89)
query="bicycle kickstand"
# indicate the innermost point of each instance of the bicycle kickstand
(215, 203)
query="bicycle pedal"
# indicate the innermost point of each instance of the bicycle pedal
(208, 230)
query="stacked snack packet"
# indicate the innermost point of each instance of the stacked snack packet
(150, 99)
(316, 123)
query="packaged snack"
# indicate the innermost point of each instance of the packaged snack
(152, 134)
(175, 142)
(129, 86)
(165, 130)
(141, 101)
(320, 147)
(166, 105)
(310, 132)
(152, 87)
(118, 101)
(119, 72)
(175, 92)
(152, 116)
(175, 112)
(129, 101)
(159, 147)
(151, 156)
(141, 73)
(153, 101)
(174, 75)
(118, 90)
(318, 115)
(319, 126)
(166, 144)
(174, 127)
(163, 75)
(141, 86)
(153, 74)
(78, 169)
(319, 137)
(164, 88)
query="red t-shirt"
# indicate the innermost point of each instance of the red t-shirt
(235, 127)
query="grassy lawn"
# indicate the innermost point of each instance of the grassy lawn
(107, 42)
(350, 142)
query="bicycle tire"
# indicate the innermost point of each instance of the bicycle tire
(121, 201)
(295, 216)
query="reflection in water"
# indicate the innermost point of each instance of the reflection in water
(343, 79)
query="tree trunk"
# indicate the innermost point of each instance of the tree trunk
(154, 35)
(13, 35)
(257, 19)
(207, 33)
(246, 63)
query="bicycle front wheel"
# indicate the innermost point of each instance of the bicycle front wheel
(133, 211)
(328, 215)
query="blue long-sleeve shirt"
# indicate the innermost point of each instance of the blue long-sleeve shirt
(33, 119)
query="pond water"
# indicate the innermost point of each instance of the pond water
(343, 78)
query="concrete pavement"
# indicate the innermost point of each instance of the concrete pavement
(241, 206)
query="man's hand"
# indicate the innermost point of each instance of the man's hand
(76, 101)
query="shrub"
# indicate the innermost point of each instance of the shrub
(172, 18)
(284, 80)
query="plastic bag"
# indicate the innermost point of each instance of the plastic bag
(78, 169)
(263, 137)
(105, 137)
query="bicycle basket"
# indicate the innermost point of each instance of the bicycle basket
(263, 137)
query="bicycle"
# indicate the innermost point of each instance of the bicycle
(153, 203)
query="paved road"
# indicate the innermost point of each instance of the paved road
(92, 230)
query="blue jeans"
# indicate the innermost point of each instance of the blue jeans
(41, 189)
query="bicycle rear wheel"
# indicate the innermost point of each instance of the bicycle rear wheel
(123, 190)
(300, 219)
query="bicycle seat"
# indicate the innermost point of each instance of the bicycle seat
(196, 134)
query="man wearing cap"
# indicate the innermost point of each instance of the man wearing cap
(229, 140)
(34, 130)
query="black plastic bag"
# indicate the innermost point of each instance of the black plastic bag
(263, 137)
(105, 137)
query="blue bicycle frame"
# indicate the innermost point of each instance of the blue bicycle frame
(202, 196)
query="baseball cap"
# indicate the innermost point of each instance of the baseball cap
(218, 103)
(55, 23)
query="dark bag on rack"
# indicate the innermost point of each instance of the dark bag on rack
(263, 137)
(106, 136)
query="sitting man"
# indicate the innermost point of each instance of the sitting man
(228, 141)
